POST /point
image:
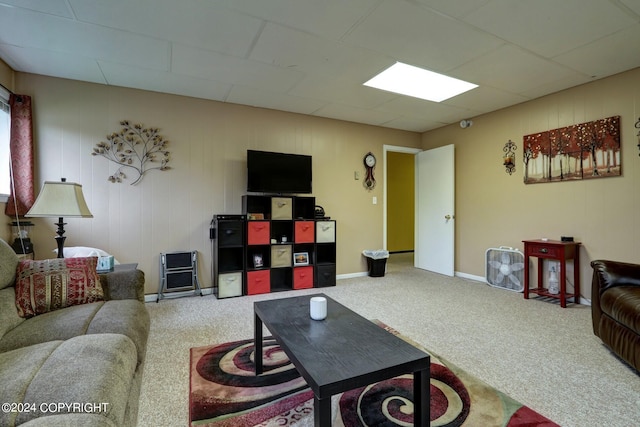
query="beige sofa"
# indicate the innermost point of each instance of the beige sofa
(76, 366)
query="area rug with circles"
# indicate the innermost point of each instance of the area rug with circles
(225, 392)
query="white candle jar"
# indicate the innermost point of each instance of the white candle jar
(318, 308)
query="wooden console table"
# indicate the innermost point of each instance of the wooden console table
(561, 251)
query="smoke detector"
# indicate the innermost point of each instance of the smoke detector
(466, 123)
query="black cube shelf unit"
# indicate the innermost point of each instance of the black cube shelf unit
(276, 244)
(228, 255)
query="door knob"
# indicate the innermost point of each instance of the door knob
(447, 217)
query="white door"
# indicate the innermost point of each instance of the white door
(435, 195)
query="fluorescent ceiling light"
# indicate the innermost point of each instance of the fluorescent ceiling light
(419, 83)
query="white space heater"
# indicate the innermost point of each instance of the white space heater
(504, 268)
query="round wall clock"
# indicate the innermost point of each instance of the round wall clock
(369, 163)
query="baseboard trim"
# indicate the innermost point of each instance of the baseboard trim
(209, 291)
(351, 275)
(171, 295)
(470, 277)
(582, 301)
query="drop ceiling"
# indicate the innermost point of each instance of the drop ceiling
(312, 56)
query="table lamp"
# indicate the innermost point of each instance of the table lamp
(60, 199)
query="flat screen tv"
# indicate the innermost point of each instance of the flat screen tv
(270, 172)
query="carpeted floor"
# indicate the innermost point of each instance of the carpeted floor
(536, 352)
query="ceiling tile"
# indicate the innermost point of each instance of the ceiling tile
(550, 27)
(554, 86)
(38, 61)
(415, 35)
(412, 124)
(342, 90)
(230, 69)
(327, 18)
(162, 81)
(52, 7)
(484, 99)
(273, 100)
(512, 69)
(457, 9)
(634, 5)
(615, 53)
(296, 50)
(71, 37)
(195, 23)
(416, 108)
(354, 114)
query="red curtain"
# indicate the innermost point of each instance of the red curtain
(21, 195)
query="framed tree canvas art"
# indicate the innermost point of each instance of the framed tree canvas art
(583, 151)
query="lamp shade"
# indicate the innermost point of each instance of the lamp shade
(60, 199)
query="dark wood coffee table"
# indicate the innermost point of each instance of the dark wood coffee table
(340, 353)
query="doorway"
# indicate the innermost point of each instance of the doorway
(399, 203)
(434, 200)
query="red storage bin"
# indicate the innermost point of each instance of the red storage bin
(258, 233)
(258, 282)
(304, 232)
(303, 277)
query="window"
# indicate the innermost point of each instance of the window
(5, 121)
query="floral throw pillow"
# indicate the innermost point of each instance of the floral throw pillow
(52, 284)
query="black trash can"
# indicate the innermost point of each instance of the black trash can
(376, 262)
(377, 267)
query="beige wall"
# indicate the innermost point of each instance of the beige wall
(493, 208)
(6, 80)
(6, 75)
(172, 210)
(401, 201)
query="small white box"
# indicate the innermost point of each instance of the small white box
(105, 263)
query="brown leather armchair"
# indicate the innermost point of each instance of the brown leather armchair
(615, 308)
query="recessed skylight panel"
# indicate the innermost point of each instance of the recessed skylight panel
(419, 83)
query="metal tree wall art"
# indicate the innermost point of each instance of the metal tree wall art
(135, 147)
